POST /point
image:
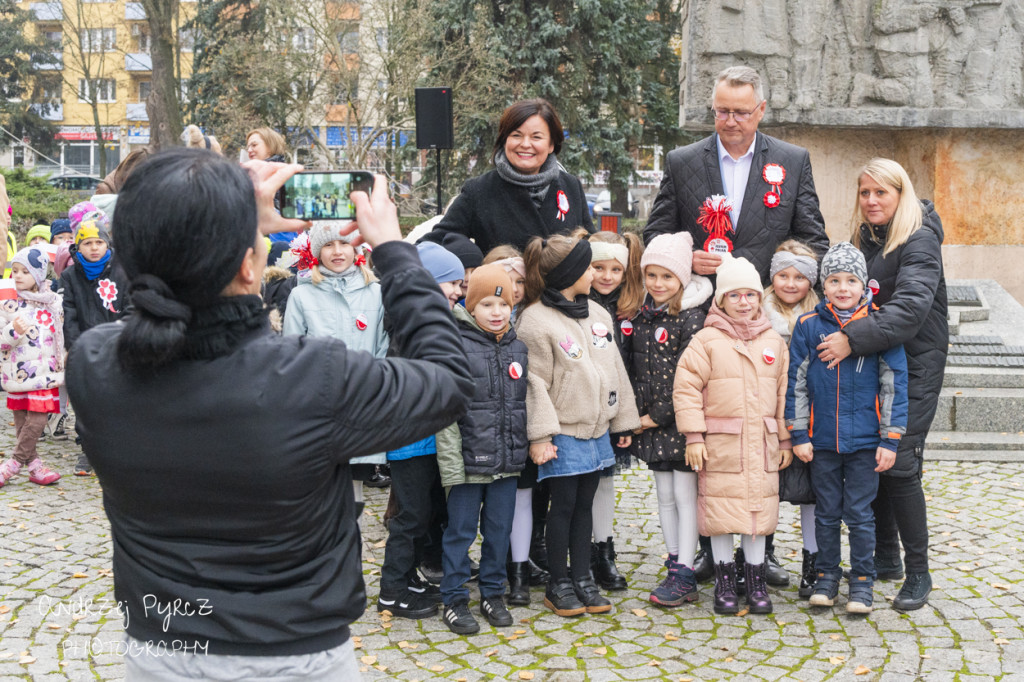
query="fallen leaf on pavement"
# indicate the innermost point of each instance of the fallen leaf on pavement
(601, 650)
(525, 675)
(368, 660)
(24, 660)
(671, 637)
(835, 637)
(639, 613)
(654, 662)
(403, 644)
(862, 670)
(492, 652)
(837, 660)
(1000, 586)
(743, 612)
(1000, 640)
(80, 575)
(519, 632)
(437, 668)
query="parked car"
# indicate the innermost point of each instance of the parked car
(76, 183)
(604, 203)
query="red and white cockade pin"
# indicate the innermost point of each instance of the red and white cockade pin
(873, 285)
(774, 174)
(361, 324)
(661, 335)
(515, 370)
(563, 204)
(626, 327)
(769, 356)
(599, 329)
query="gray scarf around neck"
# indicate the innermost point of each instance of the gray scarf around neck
(536, 184)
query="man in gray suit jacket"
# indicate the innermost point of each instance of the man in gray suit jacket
(736, 161)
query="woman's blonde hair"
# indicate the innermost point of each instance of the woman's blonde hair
(907, 219)
(194, 137)
(806, 305)
(541, 256)
(631, 297)
(273, 139)
(501, 252)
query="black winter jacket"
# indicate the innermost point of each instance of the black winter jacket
(492, 212)
(83, 307)
(494, 429)
(225, 479)
(654, 348)
(912, 310)
(693, 173)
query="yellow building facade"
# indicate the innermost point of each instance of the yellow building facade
(100, 54)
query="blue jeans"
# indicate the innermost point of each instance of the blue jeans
(845, 486)
(491, 506)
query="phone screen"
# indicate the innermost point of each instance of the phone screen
(322, 195)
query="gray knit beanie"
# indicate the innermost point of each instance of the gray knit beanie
(323, 233)
(844, 257)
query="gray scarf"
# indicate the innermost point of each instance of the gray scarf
(536, 184)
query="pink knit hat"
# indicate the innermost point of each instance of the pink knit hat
(674, 252)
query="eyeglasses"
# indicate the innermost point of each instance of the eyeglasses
(750, 296)
(739, 116)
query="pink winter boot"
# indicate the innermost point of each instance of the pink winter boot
(8, 470)
(41, 474)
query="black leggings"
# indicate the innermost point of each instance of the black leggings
(570, 524)
(901, 515)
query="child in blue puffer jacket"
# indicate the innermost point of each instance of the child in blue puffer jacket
(859, 411)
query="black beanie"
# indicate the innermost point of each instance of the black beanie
(466, 251)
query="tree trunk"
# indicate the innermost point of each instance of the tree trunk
(163, 105)
(100, 142)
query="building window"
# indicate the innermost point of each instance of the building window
(186, 39)
(98, 39)
(50, 91)
(55, 39)
(349, 41)
(145, 87)
(102, 88)
(382, 39)
(303, 39)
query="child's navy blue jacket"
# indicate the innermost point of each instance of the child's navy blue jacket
(858, 405)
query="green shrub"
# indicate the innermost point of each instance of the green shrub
(34, 201)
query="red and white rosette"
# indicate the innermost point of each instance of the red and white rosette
(873, 286)
(715, 219)
(107, 291)
(361, 323)
(661, 335)
(515, 370)
(563, 204)
(769, 356)
(774, 174)
(626, 327)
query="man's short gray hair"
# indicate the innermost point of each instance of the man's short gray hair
(737, 76)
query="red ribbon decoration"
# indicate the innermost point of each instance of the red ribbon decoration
(300, 247)
(774, 174)
(360, 260)
(714, 218)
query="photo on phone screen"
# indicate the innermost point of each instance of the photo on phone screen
(322, 195)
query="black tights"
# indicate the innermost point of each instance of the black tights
(570, 524)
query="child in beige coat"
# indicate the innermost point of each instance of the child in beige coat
(729, 397)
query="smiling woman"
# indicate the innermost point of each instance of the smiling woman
(528, 194)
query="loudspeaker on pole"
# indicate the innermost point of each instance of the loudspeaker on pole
(434, 129)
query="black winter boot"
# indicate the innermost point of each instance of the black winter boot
(602, 564)
(519, 583)
(808, 575)
(741, 577)
(726, 599)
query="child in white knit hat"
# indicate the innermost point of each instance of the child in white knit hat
(729, 399)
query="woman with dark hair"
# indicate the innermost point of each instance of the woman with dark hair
(901, 238)
(528, 194)
(222, 449)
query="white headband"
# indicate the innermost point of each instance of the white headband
(513, 263)
(606, 251)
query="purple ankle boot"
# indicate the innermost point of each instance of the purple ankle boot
(726, 600)
(757, 588)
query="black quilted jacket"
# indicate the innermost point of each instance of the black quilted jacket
(692, 174)
(912, 310)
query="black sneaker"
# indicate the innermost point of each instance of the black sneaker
(703, 567)
(495, 611)
(406, 604)
(888, 568)
(432, 572)
(459, 620)
(422, 587)
(560, 597)
(914, 593)
(83, 468)
(381, 477)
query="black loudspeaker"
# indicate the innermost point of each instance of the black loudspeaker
(434, 118)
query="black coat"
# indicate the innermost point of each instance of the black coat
(492, 212)
(693, 173)
(912, 311)
(494, 429)
(226, 480)
(83, 307)
(652, 368)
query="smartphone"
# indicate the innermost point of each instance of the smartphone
(322, 195)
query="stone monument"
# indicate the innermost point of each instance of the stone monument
(937, 86)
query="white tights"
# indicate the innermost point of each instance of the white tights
(603, 509)
(753, 548)
(677, 510)
(522, 525)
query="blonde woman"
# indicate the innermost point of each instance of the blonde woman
(901, 238)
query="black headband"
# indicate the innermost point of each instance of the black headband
(572, 267)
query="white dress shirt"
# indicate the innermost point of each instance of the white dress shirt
(734, 176)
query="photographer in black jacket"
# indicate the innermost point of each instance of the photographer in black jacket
(222, 448)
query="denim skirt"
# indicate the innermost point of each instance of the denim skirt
(578, 456)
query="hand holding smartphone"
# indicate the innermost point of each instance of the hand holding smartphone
(322, 195)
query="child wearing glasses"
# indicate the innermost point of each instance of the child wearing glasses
(729, 398)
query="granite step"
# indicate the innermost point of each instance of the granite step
(983, 350)
(980, 376)
(980, 409)
(959, 440)
(1007, 456)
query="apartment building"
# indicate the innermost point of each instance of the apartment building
(100, 58)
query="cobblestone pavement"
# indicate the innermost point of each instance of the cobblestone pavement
(58, 622)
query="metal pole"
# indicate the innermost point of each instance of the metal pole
(438, 164)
